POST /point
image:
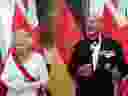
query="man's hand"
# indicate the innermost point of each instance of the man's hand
(85, 70)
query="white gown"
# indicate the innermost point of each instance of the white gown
(17, 84)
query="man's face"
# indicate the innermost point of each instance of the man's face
(92, 34)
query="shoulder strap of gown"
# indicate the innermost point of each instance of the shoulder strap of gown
(1, 65)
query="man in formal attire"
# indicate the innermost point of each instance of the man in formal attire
(109, 59)
(108, 66)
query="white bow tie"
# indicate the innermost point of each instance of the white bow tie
(93, 45)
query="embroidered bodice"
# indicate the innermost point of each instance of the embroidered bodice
(36, 67)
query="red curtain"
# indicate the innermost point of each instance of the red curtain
(65, 36)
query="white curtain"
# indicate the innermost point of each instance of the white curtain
(95, 6)
(31, 13)
(6, 14)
